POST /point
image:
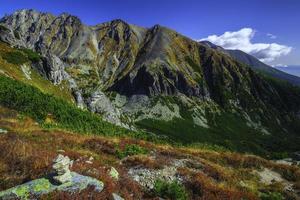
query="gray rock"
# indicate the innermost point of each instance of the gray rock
(55, 69)
(68, 182)
(114, 173)
(6, 35)
(147, 177)
(26, 70)
(116, 197)
(79, 99)
(89, 162)
(3, 130)
(61, 167)
(45, 186)
(100, 103)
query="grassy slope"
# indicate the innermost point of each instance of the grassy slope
(10, 64)
(228, 130)
(55, 112)
(220, 177)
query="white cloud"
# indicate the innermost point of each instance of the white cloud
(242, 40)
(280, 65)
(270, 35)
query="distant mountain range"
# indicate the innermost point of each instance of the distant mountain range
(291, 69)
(288, 74)
(155, 80)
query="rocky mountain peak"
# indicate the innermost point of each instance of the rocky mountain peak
(118, 21)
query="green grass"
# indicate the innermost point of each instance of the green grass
(15, 71)
(21, 56)
(271, 196)
(196, 67)
(34, 103)
(31, 55)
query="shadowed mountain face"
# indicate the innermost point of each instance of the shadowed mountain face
(157, 79)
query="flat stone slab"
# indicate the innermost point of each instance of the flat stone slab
(3, 130)
(44, 186)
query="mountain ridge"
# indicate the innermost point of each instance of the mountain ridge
(256, 64)
(136, 78)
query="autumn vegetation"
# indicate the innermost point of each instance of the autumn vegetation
(27, 150)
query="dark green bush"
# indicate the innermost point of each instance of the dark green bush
(171, 190)
(15, 57)
(130, 150)
(271, 196)
(31, 55)
(21, 56)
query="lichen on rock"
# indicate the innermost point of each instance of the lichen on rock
(63, 180)
(114, 173)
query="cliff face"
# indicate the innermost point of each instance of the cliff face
(156, 73)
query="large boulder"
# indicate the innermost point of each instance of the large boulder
(62, 180)
(43, 186)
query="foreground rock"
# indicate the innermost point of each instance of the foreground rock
(114, 173)
(147, 177)
(61, 166)
(42, 186)
(269, 177)
(62, 180)
(116, 197)
(3, 130)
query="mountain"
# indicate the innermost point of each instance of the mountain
(257, 65)
(151, 79)
(291, 69)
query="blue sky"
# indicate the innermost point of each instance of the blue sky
(268, 21)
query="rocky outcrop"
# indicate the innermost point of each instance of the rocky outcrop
(63, 180)
(62, 172)
(55, 69)
(147, 177)
(7, 36)
(27, 26)
(43, 186)
(26, 70)
(3, 131)
(100, 103)
(114, 173)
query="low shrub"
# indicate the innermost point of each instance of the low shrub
(15, 57)
(172, 190)
(31, 55)
(130, 150)
(271, 196)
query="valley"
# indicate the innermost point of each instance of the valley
(147, 102)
